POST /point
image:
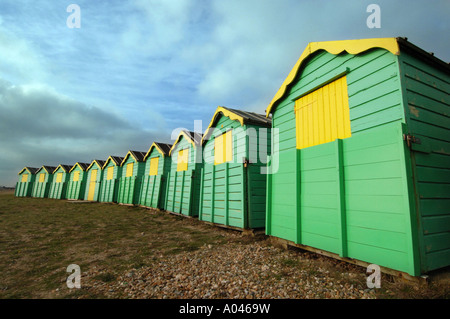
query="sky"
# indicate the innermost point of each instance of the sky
(137, 71)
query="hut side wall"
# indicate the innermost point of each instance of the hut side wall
(426, 107)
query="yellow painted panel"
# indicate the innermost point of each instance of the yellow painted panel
(94, 175)
(223, 148)
(91, 190)
(59, 177)
(110, 173)
(218, 150)
(41, 177)
(323, 115)
(24, 178)
(182, 161)
(129, 171)
(76, 176)
(154, 162)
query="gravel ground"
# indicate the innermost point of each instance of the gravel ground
(253, 270)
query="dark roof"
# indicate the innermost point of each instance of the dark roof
(67, 167)
(196, 137)
(32, 170)
(251, 117)
(138, 155)
(49, 169)
(84, 166)
(164, 147)
(117, 159)
(101, 162)
(405, 45)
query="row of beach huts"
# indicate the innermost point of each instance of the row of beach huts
(351, 159)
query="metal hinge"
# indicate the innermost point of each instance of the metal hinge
(411, 139)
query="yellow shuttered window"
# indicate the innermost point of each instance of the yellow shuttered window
(223, 148)
(93, 175)
(129, 171)
(110, 173)
(76, 176)
(59, 177)
(154, 162)
(323, 115)
(24, 178)
(41, 177)
(182, 161)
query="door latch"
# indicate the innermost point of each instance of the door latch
(411, 139)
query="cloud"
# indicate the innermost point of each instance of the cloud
(40, 126)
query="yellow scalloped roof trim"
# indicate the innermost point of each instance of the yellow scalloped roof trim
(154, 145)
(334, 47)
(232, 116)
(182, 133)
(73, 167)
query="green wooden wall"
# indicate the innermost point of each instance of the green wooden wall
(225, 197)
(153, 189)
(58, 190)
(76, 189)
(351, 196)
(183, 188)
(129, 187)
(97, 184)
(25, 189)
(109, 189)
(427, 104)
(41, 189)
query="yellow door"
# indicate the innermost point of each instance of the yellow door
(92, 184)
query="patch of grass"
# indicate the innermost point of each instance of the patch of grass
(105, 277)
(39, 238)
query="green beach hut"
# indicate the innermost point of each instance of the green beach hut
(94, 178)
(157, 165)
(236, 145)
(133, 167)
(44, 177)
(24, 186)
(58, 186)
(77, 181)
(183, 181)
(361, 159)
(112, 172)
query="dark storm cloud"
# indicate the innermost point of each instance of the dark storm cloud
(39, 126)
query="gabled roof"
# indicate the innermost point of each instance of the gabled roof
(193, 137)
(31, 170)
(83, 166)
(137, 155)
(393, 45)
(48, 169)
(163, 148)
(243, 117)
(117, 160)
(66, 168)
(100, 163)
